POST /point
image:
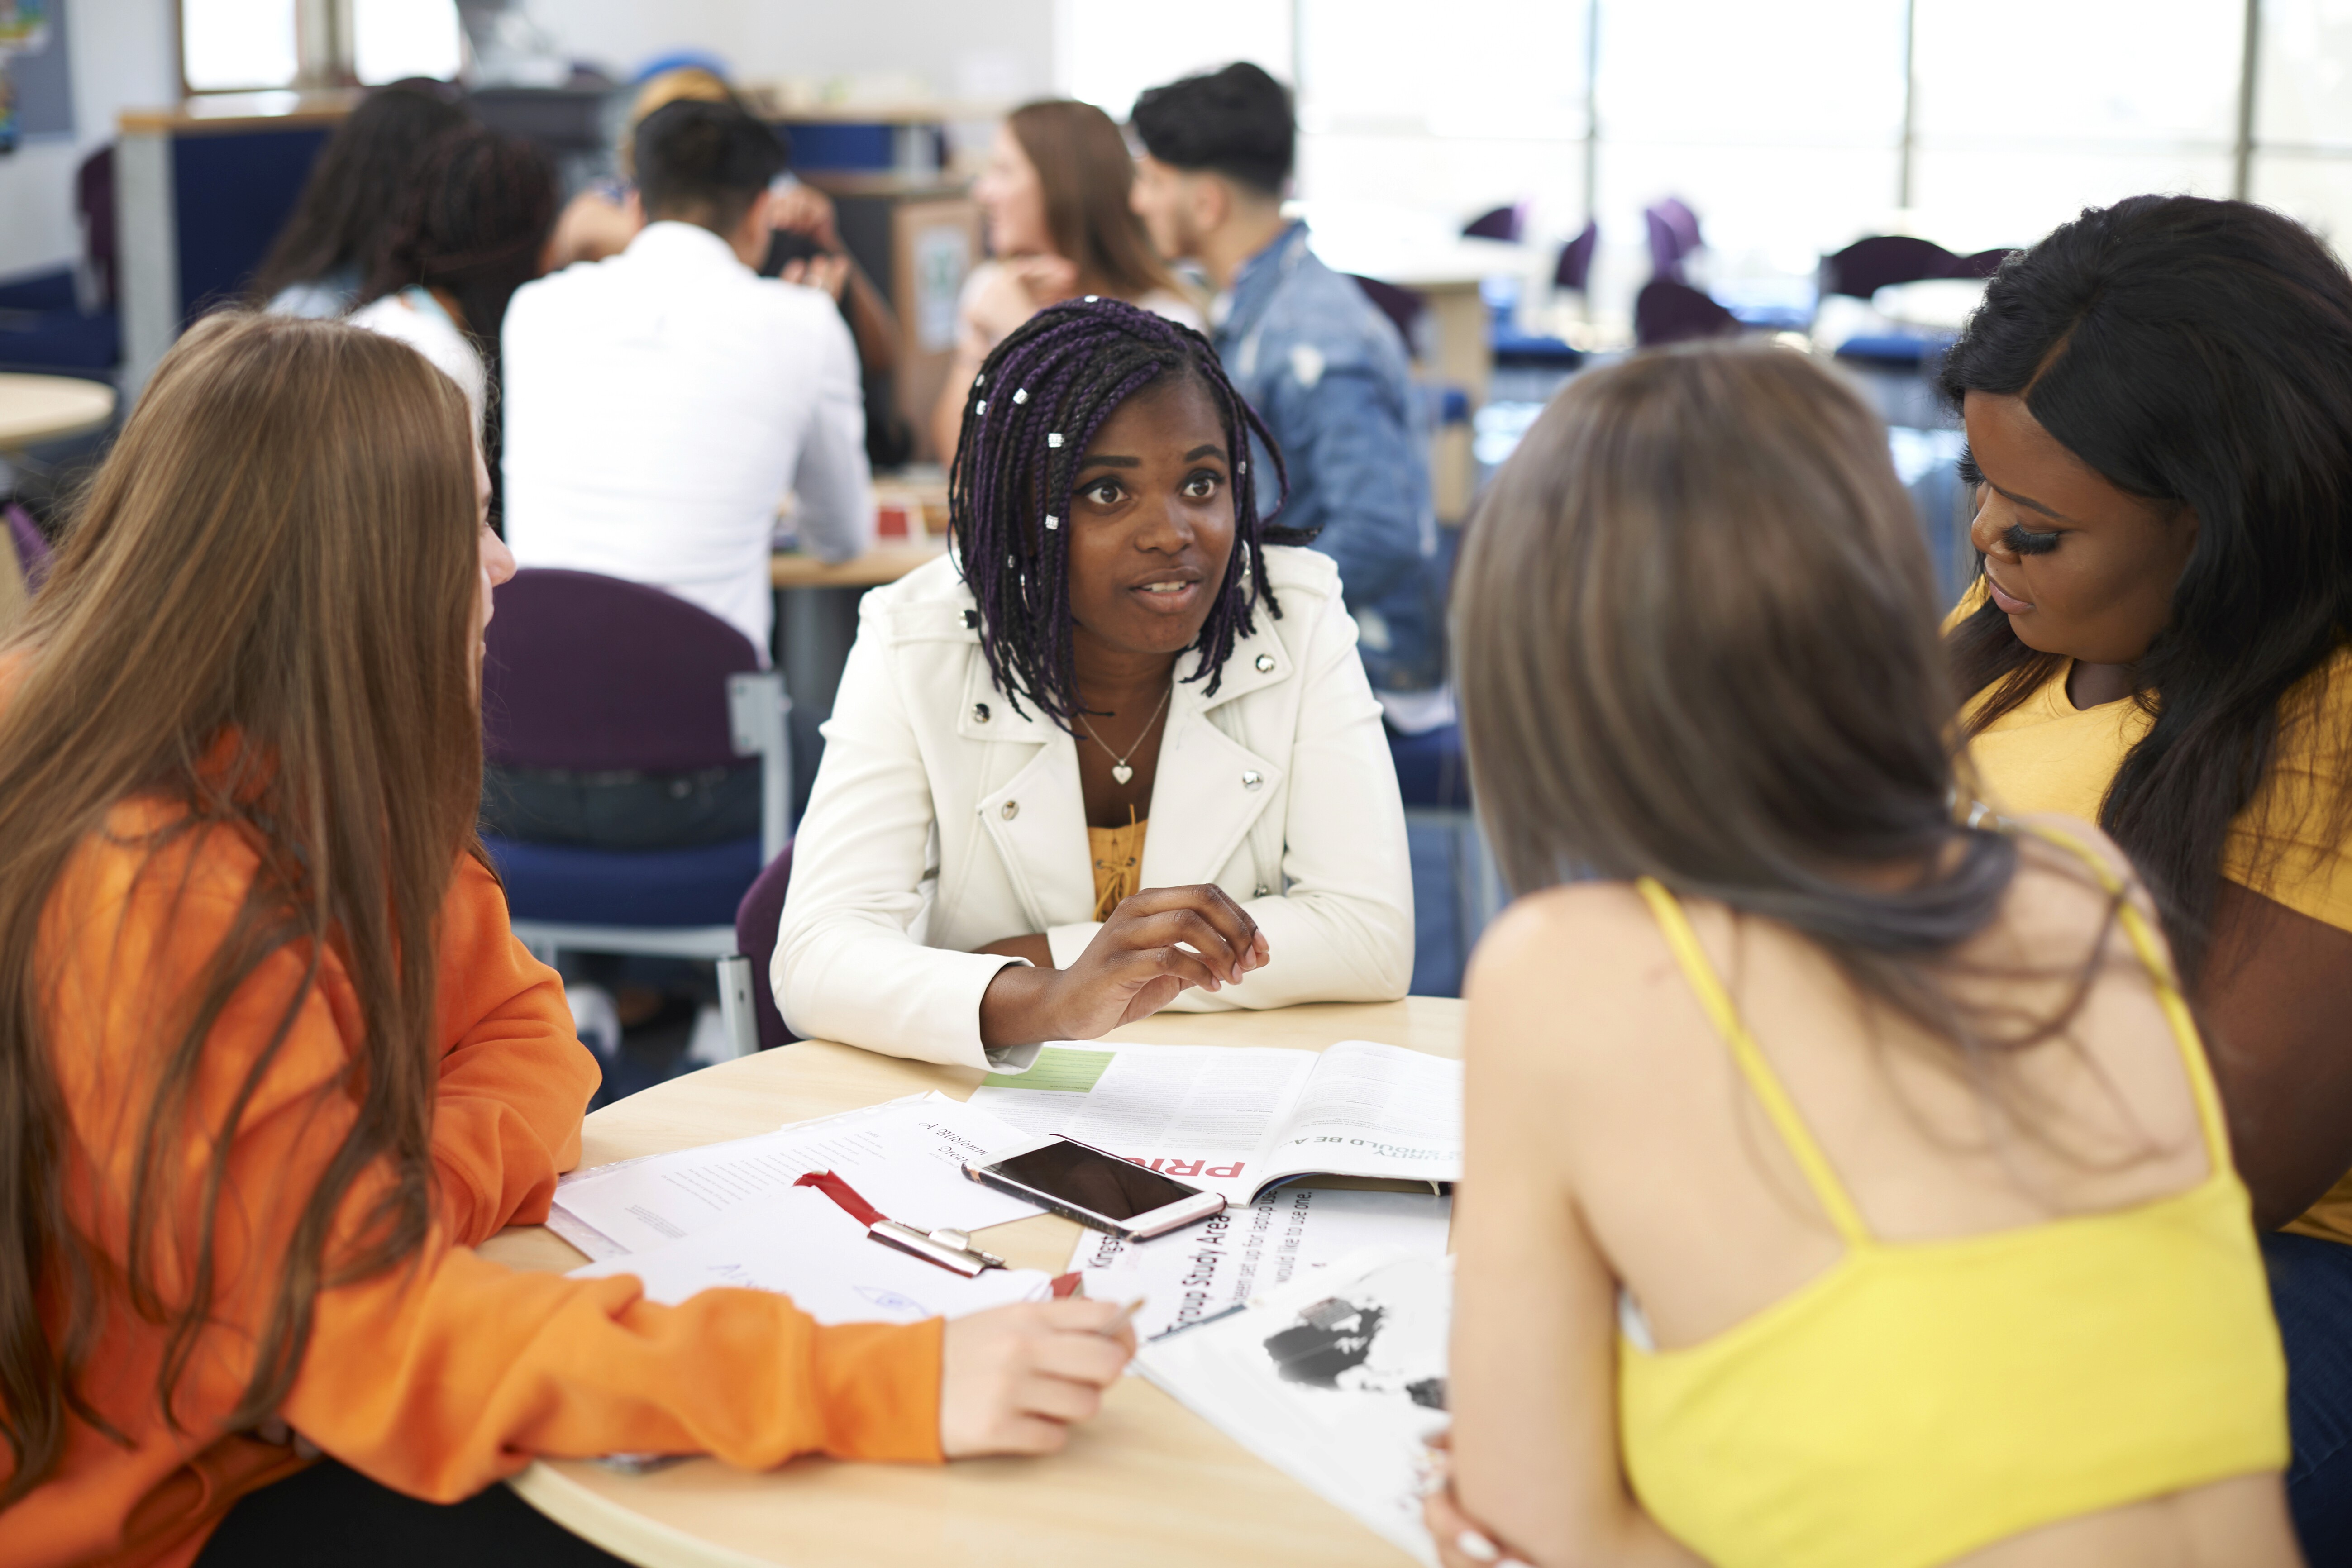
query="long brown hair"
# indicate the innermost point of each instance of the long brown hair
(1085, 172)
(1696, 631)
(261, 616)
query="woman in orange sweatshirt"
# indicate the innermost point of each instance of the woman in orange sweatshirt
(271, 1062)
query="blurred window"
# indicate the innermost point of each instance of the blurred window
(395, 38)
(233, 44)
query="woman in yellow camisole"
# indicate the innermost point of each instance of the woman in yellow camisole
(1845, 1187)
(2158, 400)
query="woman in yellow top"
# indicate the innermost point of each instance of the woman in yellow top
(2158, 400)
(1844, 1185)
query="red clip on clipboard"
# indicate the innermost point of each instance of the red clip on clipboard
(949, 1249)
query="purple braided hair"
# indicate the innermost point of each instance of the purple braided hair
(1061, 374)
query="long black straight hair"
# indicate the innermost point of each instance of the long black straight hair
(2196, 351)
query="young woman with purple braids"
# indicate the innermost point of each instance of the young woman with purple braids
(1115, 753)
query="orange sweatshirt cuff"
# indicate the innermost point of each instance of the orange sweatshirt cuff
(878, 1387)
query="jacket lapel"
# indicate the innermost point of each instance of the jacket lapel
(1210, 788)
(1038, 816)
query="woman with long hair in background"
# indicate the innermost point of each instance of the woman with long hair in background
(355, 195)
(1053, 198)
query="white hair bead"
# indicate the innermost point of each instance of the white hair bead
(981, 410)
(1052, 522)
(1021, 396)
(1242, 467)
(1093, 299)
(1054, 438)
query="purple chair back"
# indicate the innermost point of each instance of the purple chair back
(1401, 306)
(1576, 259)
(1666, 311)
(32, 547)
(592, 674)
(1983, 263)
(94, 205)
(757, 920)
(1866, 265)
(1503, 223)
(1674, 234)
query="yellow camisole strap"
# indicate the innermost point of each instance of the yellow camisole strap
(1782, 1111)
(2151, 955)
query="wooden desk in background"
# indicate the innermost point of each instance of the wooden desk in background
(890, 560)
(37, 408)
(1146, 1483)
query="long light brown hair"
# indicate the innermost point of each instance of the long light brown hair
(262, 617)
(1695, 633)
(1085, 172)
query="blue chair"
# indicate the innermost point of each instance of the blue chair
(1434, 777)
(591, 674)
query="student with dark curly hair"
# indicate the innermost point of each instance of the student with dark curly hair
(474, 230)
(1116, 752)
(355, 198)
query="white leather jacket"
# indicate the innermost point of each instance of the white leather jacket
(942, 819)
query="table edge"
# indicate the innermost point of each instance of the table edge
(601, 1521)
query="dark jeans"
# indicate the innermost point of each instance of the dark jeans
(330, 1516)
(2311, 1292)
(623, 811)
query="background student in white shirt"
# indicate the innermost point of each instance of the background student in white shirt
(660, 405)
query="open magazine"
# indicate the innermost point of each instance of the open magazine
(1238, 1120)
(1336, 1378)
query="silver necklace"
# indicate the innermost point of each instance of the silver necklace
(1118, 768)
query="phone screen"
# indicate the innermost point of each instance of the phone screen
(1096, 1182)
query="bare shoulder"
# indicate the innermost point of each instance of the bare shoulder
(2068, 866)
(1567, 975)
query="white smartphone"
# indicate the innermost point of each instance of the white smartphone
(1097, 1190)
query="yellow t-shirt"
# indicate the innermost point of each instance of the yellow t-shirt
(1117, 853)
(2290, 843)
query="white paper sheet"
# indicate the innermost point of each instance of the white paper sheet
(906, 1157)
(1338, 1378)
(797, 1242)
(1367, 1110)
(1248, 1251)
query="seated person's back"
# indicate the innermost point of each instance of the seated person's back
(662, 404)
(1844, 1182)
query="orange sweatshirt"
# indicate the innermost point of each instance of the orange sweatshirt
(435, 1379)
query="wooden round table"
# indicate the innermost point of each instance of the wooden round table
(1146, 1483)
(37, 408)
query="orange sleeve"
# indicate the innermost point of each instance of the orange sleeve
(515, 1080)
(448, 1371)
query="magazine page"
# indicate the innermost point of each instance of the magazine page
(1374, 1110)
(1204, 1269)
(1336, 1378)
(1203, 1114)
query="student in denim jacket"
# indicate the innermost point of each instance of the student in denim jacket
(1321, 365)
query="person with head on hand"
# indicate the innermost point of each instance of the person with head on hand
(660, 405)
(2159, 403)
(601, 220)
(276, 1062)
(1844, 1181)
(357, 192)
(1320, 364)
(472, 230)
(1115, 753)
(1053, 196)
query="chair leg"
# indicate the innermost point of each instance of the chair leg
(735, 1004)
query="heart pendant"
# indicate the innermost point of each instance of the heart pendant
(1121, 772)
